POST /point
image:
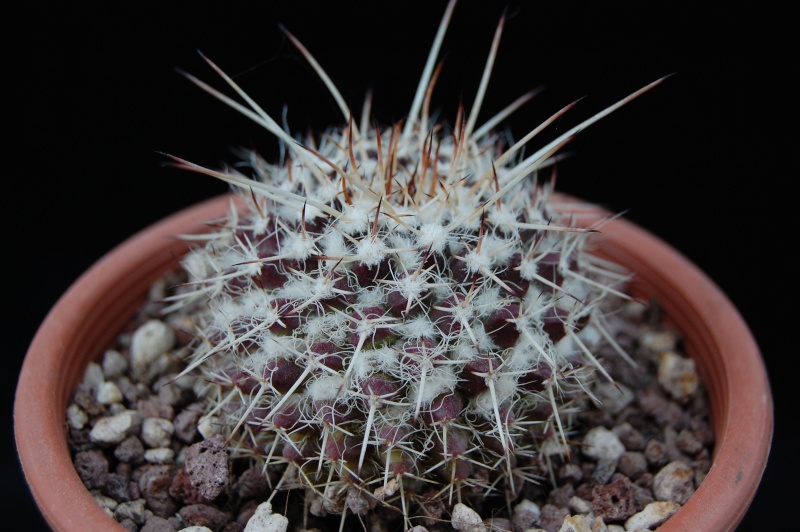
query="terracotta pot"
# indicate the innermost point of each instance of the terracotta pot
(88, 317)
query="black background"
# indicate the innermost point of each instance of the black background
(93, 95)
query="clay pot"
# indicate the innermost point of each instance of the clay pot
(88, 317)
(727, 358)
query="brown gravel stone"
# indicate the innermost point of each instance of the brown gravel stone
(205, 515)
(186, 422)
(154, 484)
(656, 453)
(645, 481)
(79, 440)
(642, 496)
(132, 510)
(128, 524)
(584, 491)
(128, 389)
(630, 437)
(251, 484)
(86, 400)
(632, 464)
(117, 487)
(688, 442)
(153, 408)
(552, 517)
(246, 511)
(157, 524)
(92, 467)
(560, 496)
(131, 449)
(662, 409)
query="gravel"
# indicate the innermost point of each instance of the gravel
(138, 448)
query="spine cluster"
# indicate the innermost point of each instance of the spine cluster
(396, 316)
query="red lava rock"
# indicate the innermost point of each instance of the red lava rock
(615, 501)
(207, 466)
(183, 490)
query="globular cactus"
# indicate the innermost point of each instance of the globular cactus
(398, 319)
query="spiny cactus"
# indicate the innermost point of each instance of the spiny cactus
(398, 319)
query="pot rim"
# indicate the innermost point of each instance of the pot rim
(743, 399)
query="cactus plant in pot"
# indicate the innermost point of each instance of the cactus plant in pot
(403, 326)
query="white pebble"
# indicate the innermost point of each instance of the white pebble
(114, 364)
(598, 525)
(93, 376)
(106, 502)
(157, 432)
(658, 341)
(576, 523)
(161, 455)
(186, 382)
(466, 519)
(76, 416)
(208, 427)
(108, 393)
(677, 375)
(552, 446)
(674, 482)
(579, 506)
(526, 513)
(148, 343)
(526, 505)
(652, 516)
(263, 520)
(195, 528)
(114, 429)
(602, 444)
(613, 397)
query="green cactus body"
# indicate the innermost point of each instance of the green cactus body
(397, 316)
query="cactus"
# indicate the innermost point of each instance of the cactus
(398, 319)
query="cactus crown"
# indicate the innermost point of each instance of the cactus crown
(397, 318)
